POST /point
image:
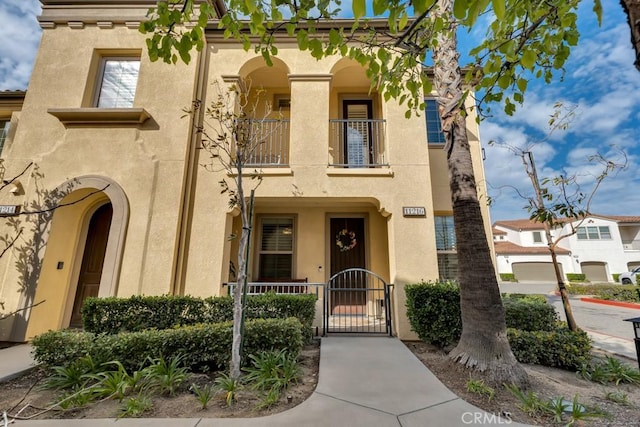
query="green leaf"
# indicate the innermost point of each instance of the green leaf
(359, 8)
(528, 59)
(460, 8)
(522, 84)
(419, 6)
(499, 8)
(597, 8)
(379, 7)
(303, 39)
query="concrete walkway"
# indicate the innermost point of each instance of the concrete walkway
(363, 382)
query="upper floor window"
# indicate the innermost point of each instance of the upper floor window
(117, 82)
(446, 247)
(594, 233)
(537, 237)
(445, 233)
(4, 131)
(275, 254)
(434, 125)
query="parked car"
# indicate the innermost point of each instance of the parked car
(630, 277)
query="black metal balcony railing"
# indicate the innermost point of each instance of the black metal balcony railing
(357, 143)
(269, 140)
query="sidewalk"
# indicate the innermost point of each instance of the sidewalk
(14, 361)
(363, 382)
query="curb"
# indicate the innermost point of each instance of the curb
(16, 374)
(613, 303)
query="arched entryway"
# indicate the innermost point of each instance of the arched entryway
(90, 206)
(92, 260)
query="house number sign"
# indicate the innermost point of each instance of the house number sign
(9, 210)
(413, 211)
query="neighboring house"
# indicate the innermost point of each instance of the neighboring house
(602, 246)
(103, 124)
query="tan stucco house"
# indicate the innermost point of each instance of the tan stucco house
(138, 214)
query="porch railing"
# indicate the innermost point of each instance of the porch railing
(292, 288)
(269, 140)
(357, 143)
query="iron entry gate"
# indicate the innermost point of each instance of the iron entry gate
(357, 301)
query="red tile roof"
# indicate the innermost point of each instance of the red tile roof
(497, 232)
(520, 224)
(509, 248)
(528, 224)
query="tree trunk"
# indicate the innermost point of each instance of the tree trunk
(483, 345)
(530, 168)
(236, 357)
(632, 9)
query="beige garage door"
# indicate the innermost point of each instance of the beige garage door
(595, 271)
(633, 265)
(535, 272)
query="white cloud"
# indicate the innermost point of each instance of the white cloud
(20, 35)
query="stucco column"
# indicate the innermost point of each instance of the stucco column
(309, 118)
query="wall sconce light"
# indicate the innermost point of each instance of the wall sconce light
(14, 187)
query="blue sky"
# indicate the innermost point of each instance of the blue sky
(600, 79)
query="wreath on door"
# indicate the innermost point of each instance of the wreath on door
(346, 240)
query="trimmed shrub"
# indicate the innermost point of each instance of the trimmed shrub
(433, 310)
(434, 314)
(627, 293)
(138, 313)
(616, 277)
(526, 297)
(508, 277)
(203, 346)
(576, 277)
(529, 314)
(559, 348)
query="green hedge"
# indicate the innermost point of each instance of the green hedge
(576, 277)
(508, 277)
(529, 314)
(616, 277)
(627, 293)
(138, 313)
(433, 310)
(560, 348)
(434, 314)
(201, 346)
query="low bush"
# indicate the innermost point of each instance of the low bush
(529, 314)
(560, 348)
(508, 277)
(576, 277)
(138, 313)
(433, 310)
(616, 277)
(202, 347)
(434, 314)
(627, 293)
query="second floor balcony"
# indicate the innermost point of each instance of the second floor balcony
(269, 141)
(357, 143)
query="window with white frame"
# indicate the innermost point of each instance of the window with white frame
(117, 82)
(434, 125)
(537, 237)
(275, 252)
(446, 247)
(594, 233)
(4, 131)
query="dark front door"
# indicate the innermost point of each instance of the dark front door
(357, 142)
(348, 251)
(92, 260)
